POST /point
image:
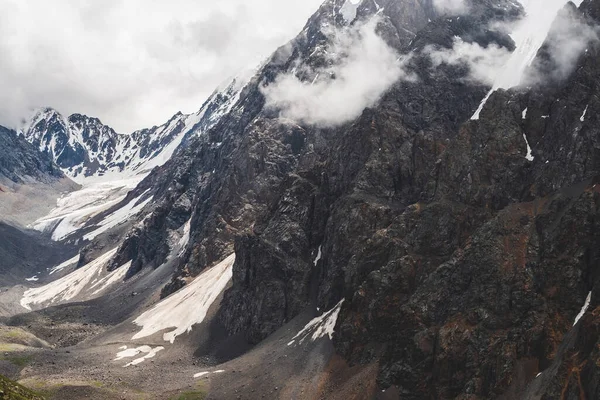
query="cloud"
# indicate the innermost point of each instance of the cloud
(484, 63)
(452, 7)
(364, 67)
(133, 63)
(568, 39)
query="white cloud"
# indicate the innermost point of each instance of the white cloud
(452, 7)
(339, 93)
(569, 37)
(133, 63)
(484, 62)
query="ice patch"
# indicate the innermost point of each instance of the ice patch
(319, 327)
(69, 286)
(188, 306)
(130, 353)
(64, 265)
(583, 309)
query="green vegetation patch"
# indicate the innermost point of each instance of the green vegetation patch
(199, 394)
(10, 390)
(194, 395)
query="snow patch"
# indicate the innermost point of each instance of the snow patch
(319, 327)
(201, 374)
(33, 279)
(529, 155)
(349, 10)
(74, 210)
(185, 239)
(64, 265)
(110, 279)
(121, 215)
(319, 255)
(69, 286)
(187, 307)
(583, 309)
(582, 118)
(130, 353)
(524, 113)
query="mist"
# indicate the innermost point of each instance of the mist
(484, 63)
(451, 7)
(339, 94)
(569, 37)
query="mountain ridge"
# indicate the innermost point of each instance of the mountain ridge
(84, 147)
(410, 251)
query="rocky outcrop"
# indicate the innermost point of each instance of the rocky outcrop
(19, 161)
(463, 260)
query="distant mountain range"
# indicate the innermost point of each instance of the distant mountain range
(83, 147)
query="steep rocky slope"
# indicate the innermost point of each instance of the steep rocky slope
(30, 182)
(454, 257)
(19, 161)
(463, 260)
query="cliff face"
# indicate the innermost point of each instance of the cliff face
(464, 249)
(19, 161)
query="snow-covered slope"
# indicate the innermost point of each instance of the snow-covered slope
(189, 306)
(108, 165)
(85, 283)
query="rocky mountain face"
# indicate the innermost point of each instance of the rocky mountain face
(20, 161)
(463, 260)
(84, 147)
(30, 181)
(466, 250)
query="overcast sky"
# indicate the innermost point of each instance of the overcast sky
(133, 63)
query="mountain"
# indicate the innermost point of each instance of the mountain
(85, 148)
(109, 165)
(30, 182)
(354, 223)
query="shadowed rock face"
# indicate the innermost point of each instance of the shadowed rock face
(463, 264)
(19, 160)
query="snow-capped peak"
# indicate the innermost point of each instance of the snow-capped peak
(88, 150)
